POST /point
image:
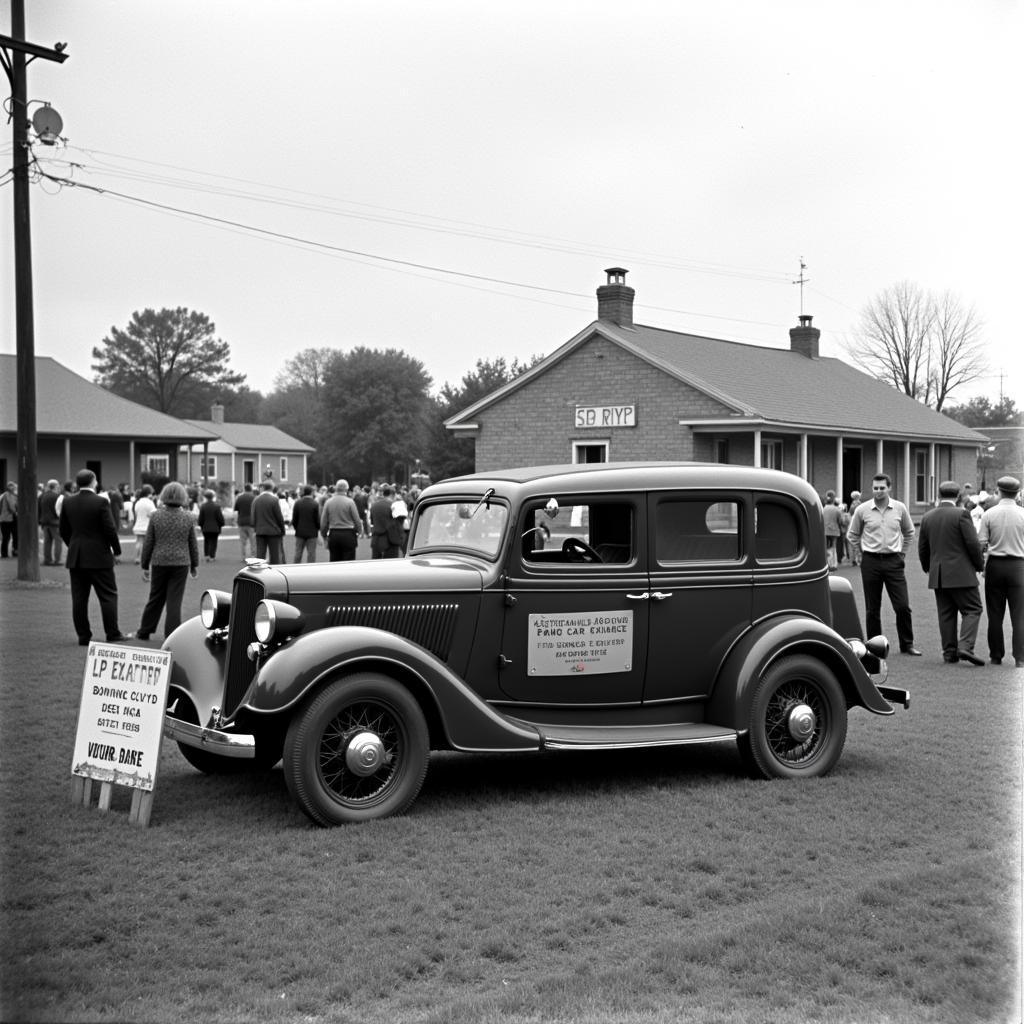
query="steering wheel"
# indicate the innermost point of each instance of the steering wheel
(577, 550)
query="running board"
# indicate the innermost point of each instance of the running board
(611, 737)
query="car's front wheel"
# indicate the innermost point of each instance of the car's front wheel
(358, 749)
(797, 725)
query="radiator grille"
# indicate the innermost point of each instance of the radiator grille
(429, 625)
(240, 670)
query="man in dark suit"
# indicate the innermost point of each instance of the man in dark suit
(87, 527)
(951, 555)
(268, 522)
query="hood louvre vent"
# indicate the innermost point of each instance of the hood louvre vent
(429, 625)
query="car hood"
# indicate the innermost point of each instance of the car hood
(435, 573)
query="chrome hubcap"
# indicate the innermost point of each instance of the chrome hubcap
(364, 754)
(801, 722)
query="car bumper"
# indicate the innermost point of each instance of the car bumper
(226, 744)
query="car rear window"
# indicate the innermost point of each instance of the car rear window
(696, 530)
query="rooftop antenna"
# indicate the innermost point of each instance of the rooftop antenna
(801, 280)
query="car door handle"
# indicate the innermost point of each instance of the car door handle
(660, 595)
(639, 597)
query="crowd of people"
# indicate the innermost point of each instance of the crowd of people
(964, 536)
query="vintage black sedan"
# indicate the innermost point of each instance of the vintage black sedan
(551, 608)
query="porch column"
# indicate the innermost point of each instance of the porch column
(804, 443)
(757, 447)
(839, 467)
(932, 469)
(880, 456)
(67, 459)
(131, 465)
(906, 472)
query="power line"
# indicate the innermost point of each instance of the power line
(393, 262)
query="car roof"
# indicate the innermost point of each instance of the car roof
(625, 476)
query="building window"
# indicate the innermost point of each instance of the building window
(208, 466)
(158, 465)
(920, 476)
(589, 451)
(722, 450)
(771, 454)
(284, 469)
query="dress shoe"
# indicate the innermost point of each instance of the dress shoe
(970, 657)
(120, 638)
(950, 659)
(1018, 663)
(84, 642)
(911, 651)
(996, 661)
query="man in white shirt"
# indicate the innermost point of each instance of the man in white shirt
(1002, 536)
(881, 532)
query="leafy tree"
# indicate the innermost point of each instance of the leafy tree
(168, 360)
(296, 406)
(980, 412)
(450, 454)
(922, 344)
(378, 403)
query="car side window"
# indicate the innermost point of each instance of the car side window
(776, 531)
(696, 529)
(582, 533)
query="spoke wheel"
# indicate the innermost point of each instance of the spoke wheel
(797, 725)
(357, 750)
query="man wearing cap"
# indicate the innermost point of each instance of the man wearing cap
(951, 555)
(881, 532)
(1002, 536)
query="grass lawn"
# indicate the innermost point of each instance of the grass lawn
(657, 886)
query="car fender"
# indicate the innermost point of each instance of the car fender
(197, 667)
(310, 660)
(770, 639)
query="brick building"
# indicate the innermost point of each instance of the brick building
(619, 391)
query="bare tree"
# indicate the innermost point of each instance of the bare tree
(956, 348)
(921, 344)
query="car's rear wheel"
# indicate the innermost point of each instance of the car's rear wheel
(358, 749)
(797, 725)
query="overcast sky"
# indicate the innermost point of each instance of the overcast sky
(451, 179)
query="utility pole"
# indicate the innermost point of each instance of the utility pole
(15, 54)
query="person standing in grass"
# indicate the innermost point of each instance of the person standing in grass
(169, 554)
(948, 547)
(306, 523)
(211, 522)
(243, 520)
(142, 509)
(881, 532)
(88, 529)
(1002, 535)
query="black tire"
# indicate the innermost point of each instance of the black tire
(797, 725)
(319, 754)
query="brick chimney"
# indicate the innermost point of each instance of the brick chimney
(615, 299)
(217, 412)
(804, 339)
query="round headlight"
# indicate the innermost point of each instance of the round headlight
(264, 621)
(215, 609)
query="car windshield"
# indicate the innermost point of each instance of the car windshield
(468, 524)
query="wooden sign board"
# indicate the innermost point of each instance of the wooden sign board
(120, 724)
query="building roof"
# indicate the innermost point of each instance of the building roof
(257, 437)
(68, 405)
(763, 386)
